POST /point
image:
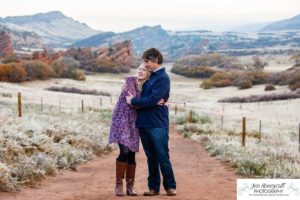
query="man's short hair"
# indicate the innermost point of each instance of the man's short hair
(153, 55)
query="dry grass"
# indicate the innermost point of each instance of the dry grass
(262, 98)
(39, 144)
(276, 156)
(77, 91)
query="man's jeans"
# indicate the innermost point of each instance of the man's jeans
(155, 144)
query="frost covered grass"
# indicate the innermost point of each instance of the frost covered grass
(41, 143)
(275, 156)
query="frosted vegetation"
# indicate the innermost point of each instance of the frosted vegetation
(275, 156)
(42, 143)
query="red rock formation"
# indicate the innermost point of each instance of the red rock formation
(45, 57)
(120, 53)
(5, 44)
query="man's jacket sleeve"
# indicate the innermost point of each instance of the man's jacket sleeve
(159, 91)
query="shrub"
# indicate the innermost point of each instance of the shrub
(196, 118)
(67, 67)
(78, 91)
(37, 70)
(261, 98)
(17, 73)
(201, 60)
(223, 83)
(207, 84)
(105, 65)
(77, 74)
(219, 76)
(258, 63)
(294, 86)
(269, 87)
(64, 66)
(193, 71)
(11, 58)
(13, 72)
(258, 77)
(244, 84)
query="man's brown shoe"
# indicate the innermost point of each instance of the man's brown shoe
(151, 193)
(171, 192)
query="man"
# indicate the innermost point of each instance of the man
(153, 123)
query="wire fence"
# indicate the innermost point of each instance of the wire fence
(222, 120)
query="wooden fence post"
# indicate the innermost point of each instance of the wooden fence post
(259, 130)
(190, 116)
(222, 122)
(175, 109)
(20, 104)
(59, 105)
(42, 104)
(82, 106)
(100, 101)
(244, 132)
(299, 137)
(111, 100)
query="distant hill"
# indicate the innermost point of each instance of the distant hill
(284, 25)
(250, 28)
(23, 39)
(142, 38)
(175, 44)
(53, 27)
(101, 39)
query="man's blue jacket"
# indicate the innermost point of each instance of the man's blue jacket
(149, 114)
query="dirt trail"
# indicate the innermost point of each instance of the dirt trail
(198, 176)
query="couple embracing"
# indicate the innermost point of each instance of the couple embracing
(141, 112)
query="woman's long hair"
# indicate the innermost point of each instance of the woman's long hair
(142, 81)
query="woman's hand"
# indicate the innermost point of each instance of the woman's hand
(162, 102)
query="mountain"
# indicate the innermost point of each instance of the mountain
(175, 44)
(100, 39)
(21, 38)
(142, 38)
(250, 28)
(284, 25)
(54, 27)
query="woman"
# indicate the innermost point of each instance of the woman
(124, 132)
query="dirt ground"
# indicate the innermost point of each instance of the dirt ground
(198, 176)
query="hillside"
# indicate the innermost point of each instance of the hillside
(53, 27)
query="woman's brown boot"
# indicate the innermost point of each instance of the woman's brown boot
(121, 167)
(130, 174)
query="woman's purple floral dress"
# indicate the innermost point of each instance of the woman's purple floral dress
(123, 128)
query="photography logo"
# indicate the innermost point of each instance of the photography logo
(256, 189)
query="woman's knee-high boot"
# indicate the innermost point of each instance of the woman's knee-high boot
(130, 175)
(121, 168)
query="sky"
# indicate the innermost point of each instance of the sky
(124, 15)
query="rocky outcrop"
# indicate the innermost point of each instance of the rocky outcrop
(120, 53)
(6, 47)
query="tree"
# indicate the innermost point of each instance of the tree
(258, 63)
(64, 66)
(296, 58)
(36, 69)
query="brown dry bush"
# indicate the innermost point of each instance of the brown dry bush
(295, 86)
(78, 91)
(269, 87)
(37, 70)
(207, 84)
(13, 72)
(261, 98)
(223, 83)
